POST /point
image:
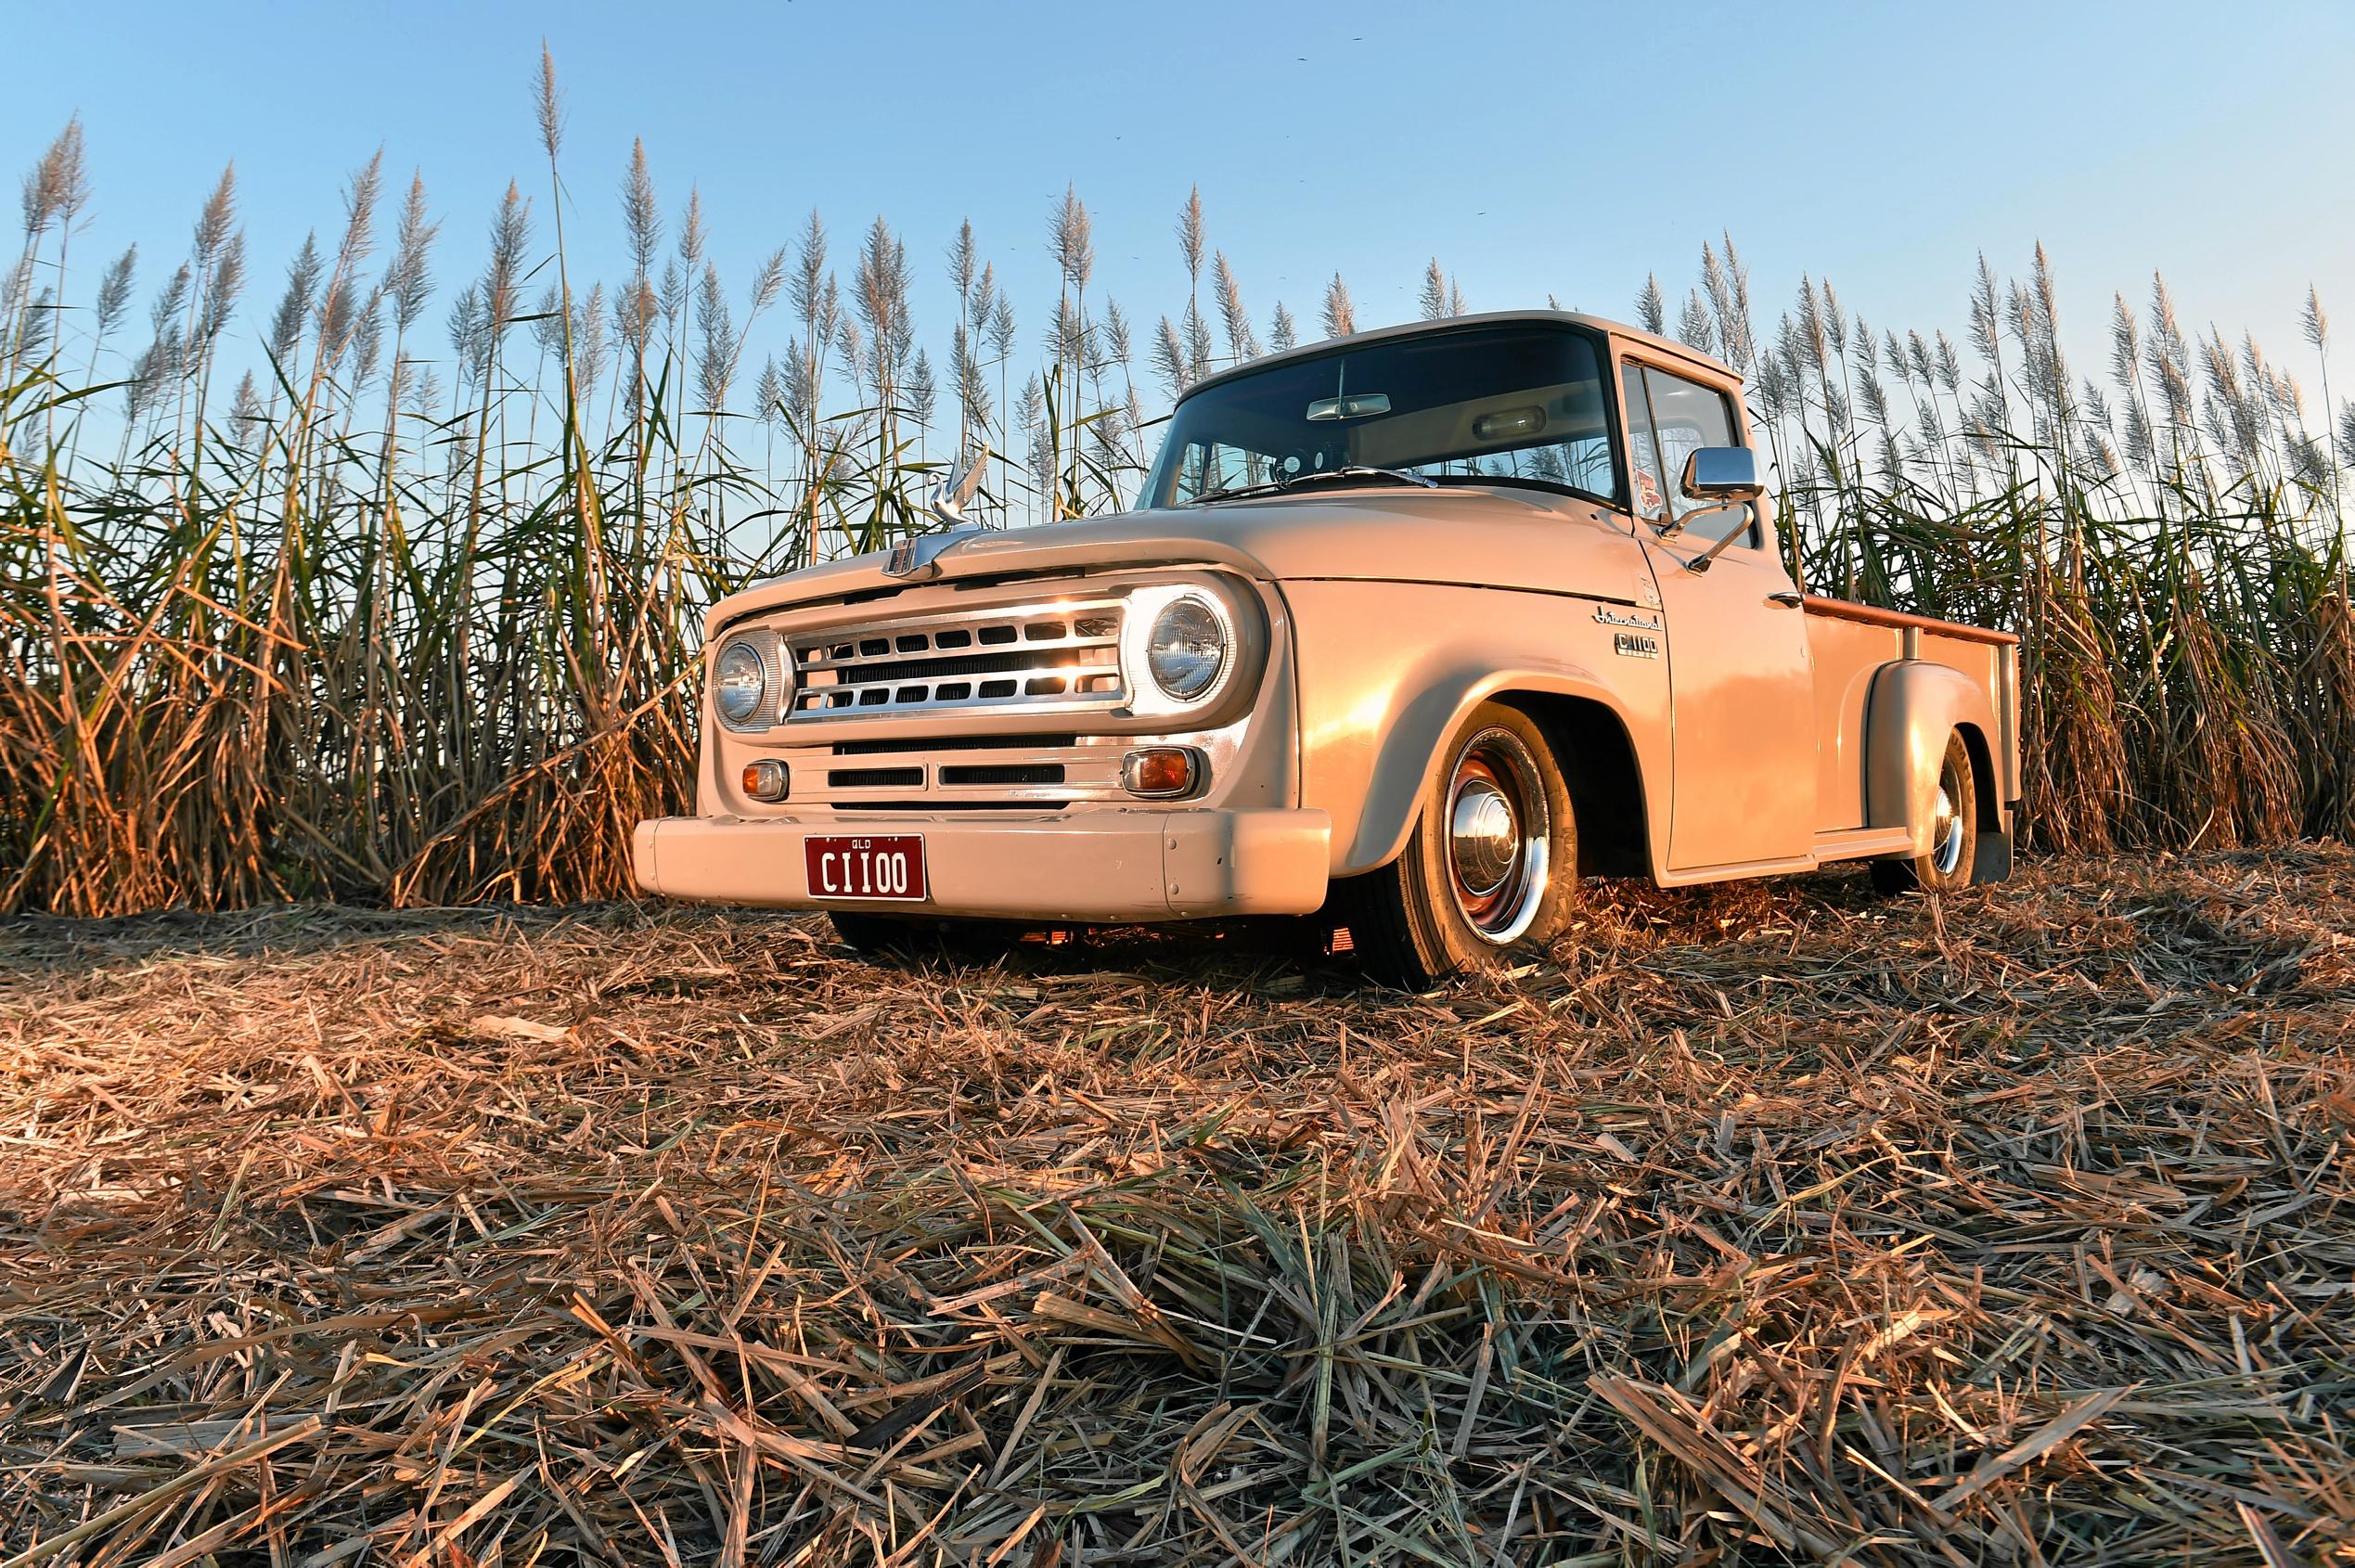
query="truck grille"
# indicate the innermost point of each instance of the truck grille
(1031, 772)
(1025, 657)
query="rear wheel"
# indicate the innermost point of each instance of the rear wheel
(1954, 833)
(1491, 866)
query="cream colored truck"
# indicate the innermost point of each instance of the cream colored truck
(1409, 632)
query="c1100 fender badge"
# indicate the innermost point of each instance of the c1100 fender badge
(1634, 645)
(1611, 617)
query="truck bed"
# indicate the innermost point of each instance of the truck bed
(1849, 643)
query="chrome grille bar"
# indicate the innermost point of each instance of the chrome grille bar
(1057, 655)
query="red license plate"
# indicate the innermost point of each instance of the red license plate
(887, 866)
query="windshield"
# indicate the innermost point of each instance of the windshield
(1522, 402)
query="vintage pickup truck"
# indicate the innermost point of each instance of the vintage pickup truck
(1409, 632)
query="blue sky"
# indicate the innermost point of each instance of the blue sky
(1533, 149)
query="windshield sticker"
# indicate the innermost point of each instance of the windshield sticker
(1647, 491)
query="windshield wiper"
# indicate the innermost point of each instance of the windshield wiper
(1359, 471)
(1265, 487)
(1292, 481)
(1532, 481)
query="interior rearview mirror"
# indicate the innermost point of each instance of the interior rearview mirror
(1356, 406)
(1722, 473)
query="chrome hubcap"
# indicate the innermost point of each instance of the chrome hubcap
(1946, 829)
(1499, 834)
(1485, 838)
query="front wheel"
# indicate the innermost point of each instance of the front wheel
(1492, 864)
(1954, 833)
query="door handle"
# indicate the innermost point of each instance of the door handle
(1787, 597)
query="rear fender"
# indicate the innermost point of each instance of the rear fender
(1914, 707)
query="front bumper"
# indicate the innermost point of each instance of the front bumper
(1104, 865)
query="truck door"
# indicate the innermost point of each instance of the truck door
(1740, 687)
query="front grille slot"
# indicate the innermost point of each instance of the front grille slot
(1038, 656)
(980, 774)
(955, 743)
(904, 804)
(888, 671)
(874, 777)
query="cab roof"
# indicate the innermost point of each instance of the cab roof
(1666, 346)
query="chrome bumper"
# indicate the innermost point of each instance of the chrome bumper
(1104, 865)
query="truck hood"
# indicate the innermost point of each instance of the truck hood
(1490, 537)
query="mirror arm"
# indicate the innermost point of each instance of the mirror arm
(1701, 562)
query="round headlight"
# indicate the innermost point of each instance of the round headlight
(1187, 650)
(739, 682)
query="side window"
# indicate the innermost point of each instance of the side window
(1686, 416)
(1643, 453)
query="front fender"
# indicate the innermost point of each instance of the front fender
(1411, 754)
(1914, 707)
(1388, 670)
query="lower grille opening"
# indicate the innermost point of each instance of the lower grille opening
(873, 778)
(1002, 773)
(906, 804)
(955, 743)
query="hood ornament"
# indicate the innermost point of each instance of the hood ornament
(918, 557)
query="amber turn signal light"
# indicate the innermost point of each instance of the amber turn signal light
(766, 780)
(1160, 772)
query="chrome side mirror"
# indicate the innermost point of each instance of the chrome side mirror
(1722, 474)
(1726, 477)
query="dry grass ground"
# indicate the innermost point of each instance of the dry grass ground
(1762, 1221)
